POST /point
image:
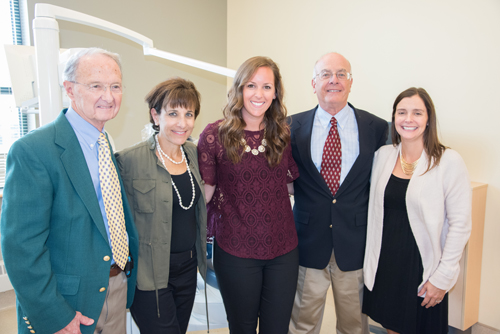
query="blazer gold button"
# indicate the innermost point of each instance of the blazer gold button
(102, 289)
(331, 226)
(106, 258)
(32, 331)
(25, 318)
(27, 322)
(334, 201)
(30, 327)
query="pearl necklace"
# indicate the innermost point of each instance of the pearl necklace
(173, 183)
(261, 148)
(166, 155)
(408, 168)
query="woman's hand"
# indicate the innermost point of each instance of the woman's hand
(433, 295)
(209, 192)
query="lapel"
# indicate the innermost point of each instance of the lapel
(303, 132)
(365, 136)
(114, 161)
(74, 163)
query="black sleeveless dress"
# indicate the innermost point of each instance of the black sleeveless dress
(394, 303)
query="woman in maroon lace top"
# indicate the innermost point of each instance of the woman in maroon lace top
(247, 165)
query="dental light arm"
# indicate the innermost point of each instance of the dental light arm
(46, 37)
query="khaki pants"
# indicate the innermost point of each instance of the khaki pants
(113, 318)
(310, 299)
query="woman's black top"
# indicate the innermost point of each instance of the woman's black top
(184, 221)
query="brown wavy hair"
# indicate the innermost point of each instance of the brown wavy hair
(432, 146)
(231, 129)
(176, 92)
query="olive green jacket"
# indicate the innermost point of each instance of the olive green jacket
(149, 192)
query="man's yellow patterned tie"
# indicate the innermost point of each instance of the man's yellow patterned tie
(112, 197)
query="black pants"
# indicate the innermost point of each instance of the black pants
(257, 289)
(175, 302)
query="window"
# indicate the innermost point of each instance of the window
(14, 123)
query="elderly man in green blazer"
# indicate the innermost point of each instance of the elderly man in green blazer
(67, 230)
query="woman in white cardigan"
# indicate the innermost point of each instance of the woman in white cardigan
(419, 220)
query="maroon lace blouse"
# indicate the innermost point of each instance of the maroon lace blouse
(250, 213)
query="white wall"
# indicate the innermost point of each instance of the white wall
(449, 47)
(194, 28)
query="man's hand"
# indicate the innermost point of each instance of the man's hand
(74, 326)
(433, 295)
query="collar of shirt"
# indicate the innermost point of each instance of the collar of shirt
(348, 133)
(87, 133)
(342, 116)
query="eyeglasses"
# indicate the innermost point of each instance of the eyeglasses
(341, 75)
(99, 88)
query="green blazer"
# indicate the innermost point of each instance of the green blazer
(54, 241)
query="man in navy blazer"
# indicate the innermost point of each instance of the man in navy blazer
(55, 236)
(332, 227)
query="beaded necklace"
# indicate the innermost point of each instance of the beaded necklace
(161, 154)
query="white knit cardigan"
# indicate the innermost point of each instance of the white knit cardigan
(439, 209)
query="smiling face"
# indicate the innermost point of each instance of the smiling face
(95, 108)
(332, 93)
(258, 94)
(410, 119)
(175, 124)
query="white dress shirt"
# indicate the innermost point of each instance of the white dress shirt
(348, 132)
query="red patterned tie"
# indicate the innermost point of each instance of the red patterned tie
(331, 162)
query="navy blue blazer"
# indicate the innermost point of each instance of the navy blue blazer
(325, 222)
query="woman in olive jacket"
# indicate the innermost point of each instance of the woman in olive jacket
(164, 187)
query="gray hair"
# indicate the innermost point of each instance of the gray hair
(72, 64)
